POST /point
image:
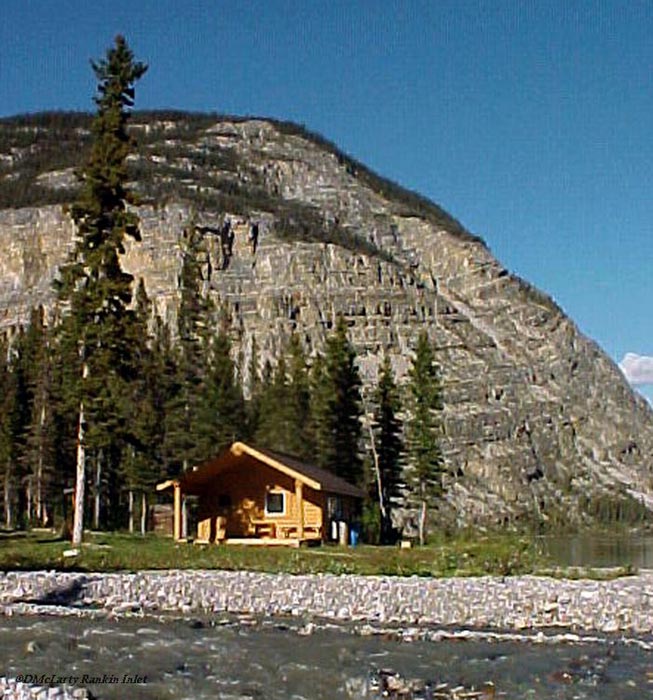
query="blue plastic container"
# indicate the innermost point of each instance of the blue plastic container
(353, 536)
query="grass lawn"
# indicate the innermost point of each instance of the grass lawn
(462, 555)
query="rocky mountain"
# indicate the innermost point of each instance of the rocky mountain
(538, 421)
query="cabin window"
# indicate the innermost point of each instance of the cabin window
(275, 503)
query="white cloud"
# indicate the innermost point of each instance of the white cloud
(637, 368)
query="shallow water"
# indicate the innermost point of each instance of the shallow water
(600, 550)
(232, 658)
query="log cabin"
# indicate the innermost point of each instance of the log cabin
(249, 495)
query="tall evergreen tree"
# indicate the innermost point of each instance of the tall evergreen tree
(388, 443)
(93, 285)
(19, 418)
(143, 459)
(301, 442)
(7, 435)
(426, 464)
(254, 390)
(336, 407)
(39, 440)
(189, 362)
(222, 417)
(275, 424)
(166, 357)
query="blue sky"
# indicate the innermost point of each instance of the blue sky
(531, 122)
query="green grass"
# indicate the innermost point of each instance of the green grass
(462, 555)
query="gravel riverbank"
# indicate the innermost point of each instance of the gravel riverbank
(511, 603)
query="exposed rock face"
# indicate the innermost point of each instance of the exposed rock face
(537, 417)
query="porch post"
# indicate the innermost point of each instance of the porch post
(299, 494)
(176, 530)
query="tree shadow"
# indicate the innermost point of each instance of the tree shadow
(62, 595)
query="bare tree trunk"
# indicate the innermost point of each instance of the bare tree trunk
(39, 472)
(80, 478)
(184, 518)
(422, 522)
(96, 493)
(7, 497)
(143, 512)
(28, 499)
(375, 457)
(131, 511)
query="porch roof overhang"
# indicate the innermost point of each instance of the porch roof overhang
(195, 480)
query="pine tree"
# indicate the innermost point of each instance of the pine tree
(166, 358)
(190, 361)
(275, 421)
(142, 462)
(301, 442)
(93, 285)
(39, 441)
(426, 464)
(222, 417)
(254, 391)
(7, 437)
(19, 411)
(336, 407)
(388, 442)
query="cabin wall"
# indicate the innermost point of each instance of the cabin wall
(245, 487)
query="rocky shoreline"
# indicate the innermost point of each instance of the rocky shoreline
(527, 608)
(513, 604)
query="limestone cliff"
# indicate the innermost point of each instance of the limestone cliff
(538, 420)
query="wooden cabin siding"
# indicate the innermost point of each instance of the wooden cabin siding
(246, 489)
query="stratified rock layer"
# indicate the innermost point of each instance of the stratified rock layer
(538, 421)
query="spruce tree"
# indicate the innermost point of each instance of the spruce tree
(142, 462)
(254, 391)
(190, 360)
(19, 417)
(301, 442)
(388, 442)
(275, 420)
(7, 436)
(166, 358)
(93, 286)
(425, 461)
(222, 417)
(337, 408)
(39, 440)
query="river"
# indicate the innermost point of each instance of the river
(248, 658)
(596, 550)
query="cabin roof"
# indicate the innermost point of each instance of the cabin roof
(239, 453)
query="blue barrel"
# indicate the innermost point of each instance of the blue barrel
(353, 535)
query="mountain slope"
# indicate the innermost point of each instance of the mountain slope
(539, 422)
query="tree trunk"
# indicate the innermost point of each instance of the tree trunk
(422, 522)
(131, 512)
(7, 497)
(39, 473)
(28, 500)
(143, 512)
(184, 519)
(375, 460)
(80, 478)
(96, 494)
